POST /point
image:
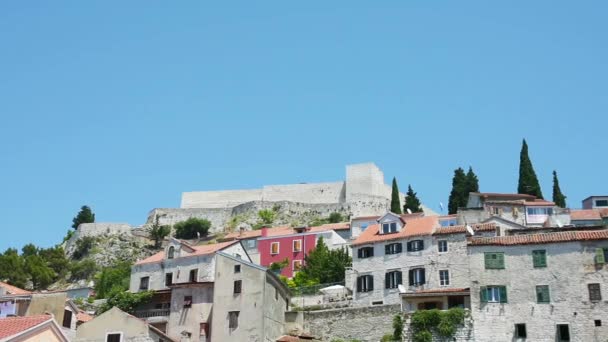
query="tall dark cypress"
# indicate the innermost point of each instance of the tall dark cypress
(558, 196)
(458, 195)
(395, 201)
(411, 201)
(528, 182)
(472, 182)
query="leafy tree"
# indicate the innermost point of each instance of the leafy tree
(125, 301)
(158, 232)
(12, 268)
(472, 183)
(41, 274)
(397, 327)
(84, 269)
(29, 250)
(528, 182)
(83, 247)
(56, 259)
(558, 196)
(395, 201)
(188, 229)
(324, 265)
(458, 195)
(267, 216)
(85, 215)
(335, 218)
(411, 201)
(112, 279)
(279, 265)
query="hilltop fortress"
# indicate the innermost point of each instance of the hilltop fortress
(362, 193)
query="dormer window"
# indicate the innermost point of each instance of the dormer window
(171, 253)
(389, 227)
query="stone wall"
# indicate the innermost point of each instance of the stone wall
(96, 229)
(365, 324)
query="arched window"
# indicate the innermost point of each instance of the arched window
(171, 252)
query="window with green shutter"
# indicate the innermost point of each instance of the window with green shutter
(493, 294)
(539, 258)
(600, 257)
(494, 260)
(542, 294)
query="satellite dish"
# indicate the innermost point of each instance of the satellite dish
(470, 230)
(409, 211)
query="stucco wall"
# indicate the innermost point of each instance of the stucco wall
(114, 321)
(189, 319)
(285, 250)
(570, 267)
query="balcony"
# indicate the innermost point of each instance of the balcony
(152, 313)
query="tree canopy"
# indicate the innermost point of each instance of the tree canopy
(112, 279)
(188, 229)
(395, 201)
(472, 183)
(158, 232)
(324, 265)
(462, 185)
(411, 201)
(558, 197)
(528, 182)
(85, 215)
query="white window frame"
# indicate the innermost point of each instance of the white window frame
(439, 246)
(293, 265)
(444, 281)
(294, 245)
(493, 294)
(386, 228)
(278, 247)
(114, 333)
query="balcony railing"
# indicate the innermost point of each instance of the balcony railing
(152, 313)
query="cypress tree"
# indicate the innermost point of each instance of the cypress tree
(558, 196)
(528, 182)
(472, 183)
(395, 202)
(411, 201)
(458, 195)
(85, 215)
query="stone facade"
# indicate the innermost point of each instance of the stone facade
(570, 267)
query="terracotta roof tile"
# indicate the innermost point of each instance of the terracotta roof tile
(530, 239)
(441, 290)
(10, 289)
(198, 250)
(585, 214)
(84, 317)
(285, 230)
(13, 325)
(414, 227)
(480, 227)
(496, 194)
(540, 203)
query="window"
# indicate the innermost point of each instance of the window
(67, 318)
(194, 275)
(171, 253)
(388, 228)
(520, 330)
(187, 301)
(563, 332)
(539, 258)
(496, 210)
(416, 277)
(204, 329)
(274, 248)
(251, 243)
(297, 265)
(601, 203)
(598, 322)
(494, 260)
(416, 245)
(444, 277)
(442, 246)
(144, 283)
(237, 286)
(233, 320)
(237, 268)
(168, 279)
(114, 337)
(365, 283)
(297, 245)
(600, 255)
(393, 248)
(493, 294)
(540, 211)
(595, 293)
(392, 279)
(542, 294)
(365, 252)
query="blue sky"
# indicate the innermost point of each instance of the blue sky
(124, 105)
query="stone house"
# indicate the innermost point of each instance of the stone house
(540, 287)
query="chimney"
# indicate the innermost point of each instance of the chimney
(264, 231)
(241, 230)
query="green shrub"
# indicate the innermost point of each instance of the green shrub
(113, 278)
(423, 336)
(387, 338)
(335, 218)
(188, 229)
(266, 216)
(84, 269)
(125, 301)
(83, 247)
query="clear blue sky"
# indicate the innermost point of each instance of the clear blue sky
(123, 105)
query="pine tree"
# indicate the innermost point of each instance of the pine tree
(411, 201)
(85, 215)
(395, 202)
(558, 196)
(528, 182)
(472, 182)
(458, 195)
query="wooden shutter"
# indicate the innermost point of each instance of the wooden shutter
(502, 290)
(371, 251)
(483, 295)
(387, 280)
(371, 283)
(500, 260)
(359, 280)
(387, 249)
(409, 246)
(488, 260)
(599, 256)
(411, 277)
(399, 280)
(421, 245)
(422, 278)
(399, 247)
(359, 252)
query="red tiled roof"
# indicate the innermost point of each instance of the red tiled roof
(285, 230)
(480, 227)
(82, 316)
(197, 250)
(585, 214)
(13, 325)
(10, 289)
(366, 218)
(538, 202)
(495, 194)
(414, 227)
(438, 291)
(604, 212)
(531, 239)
